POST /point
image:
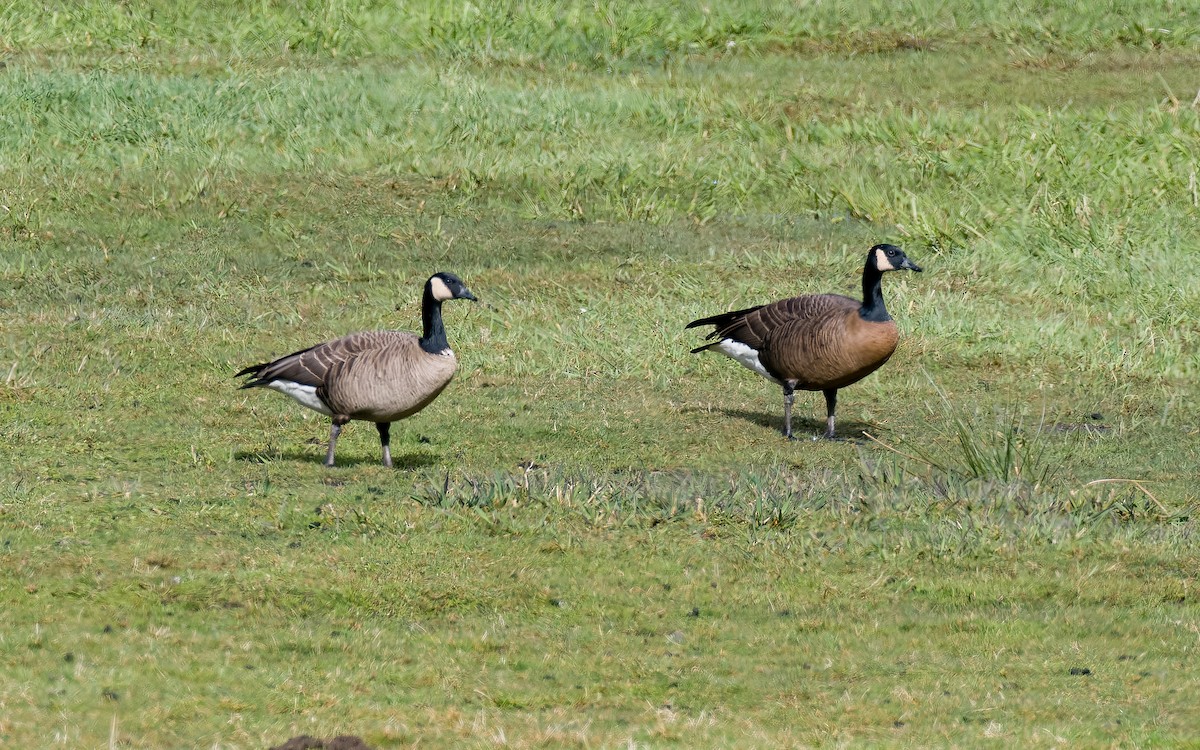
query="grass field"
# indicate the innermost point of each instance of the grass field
(595, 539)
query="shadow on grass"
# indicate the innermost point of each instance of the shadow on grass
(803, 428)
(400, 462)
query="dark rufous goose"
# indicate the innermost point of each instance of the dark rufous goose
(817, 342)
(373, 376)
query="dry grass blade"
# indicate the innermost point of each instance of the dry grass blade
(919, 459)
(1136, 483)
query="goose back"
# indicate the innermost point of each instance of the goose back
(752, 325)
(310, 366)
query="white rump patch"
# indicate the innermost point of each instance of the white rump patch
(305, 394)
(441, 292)
(744, 355)
(881, 261)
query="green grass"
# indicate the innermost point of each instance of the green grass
(594, 538)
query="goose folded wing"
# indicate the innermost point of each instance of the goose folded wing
(809, 349)
(755, 325)
(312, 366)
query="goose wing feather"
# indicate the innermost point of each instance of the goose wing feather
(311, 366)
(753, 325)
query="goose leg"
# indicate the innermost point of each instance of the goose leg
(789, 395)
(830, 408)
(385, 441)
(333, 436)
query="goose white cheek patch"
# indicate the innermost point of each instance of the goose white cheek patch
(305, 394)
(441, 292)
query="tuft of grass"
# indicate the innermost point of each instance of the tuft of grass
(997, 447)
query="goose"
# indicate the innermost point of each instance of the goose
(373, 376)
(816, 342)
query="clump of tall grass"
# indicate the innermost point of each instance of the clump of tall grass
(1006, 451)
(1002, 450)
(1008, 462)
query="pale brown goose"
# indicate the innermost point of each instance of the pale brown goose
(817, 342)
(374, 376)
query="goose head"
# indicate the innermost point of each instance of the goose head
(446, 286)
(890, 258)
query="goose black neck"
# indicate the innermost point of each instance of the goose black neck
(434, 338)
(873, 308)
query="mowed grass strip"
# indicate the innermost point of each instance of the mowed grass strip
(595, 538)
